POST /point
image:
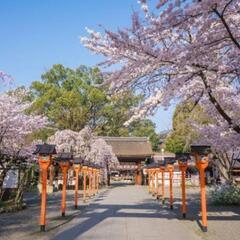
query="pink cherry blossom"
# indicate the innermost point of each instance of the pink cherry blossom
(182, 51)
(5, 78)
(84, 144)
(16, 125)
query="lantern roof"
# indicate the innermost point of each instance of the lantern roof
(78, 160)
(169, 160)
(64, 156)
(183, 157)
(86, 163)
(153, 165)
(200, 149)
(45, 149)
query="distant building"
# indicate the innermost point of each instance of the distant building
(131, 153)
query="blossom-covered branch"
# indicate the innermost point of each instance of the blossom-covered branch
(169, 50)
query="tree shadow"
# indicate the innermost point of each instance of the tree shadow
(95, 212)
(94, 217)
(151, 208)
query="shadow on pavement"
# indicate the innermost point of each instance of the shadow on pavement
(150, 208)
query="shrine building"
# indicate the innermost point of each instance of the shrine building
(131, 153)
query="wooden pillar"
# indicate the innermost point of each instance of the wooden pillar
(89, 182)
(149, 180)
(77, 170)
(163, 185)
(97, 180)
(158, 185)
(44, 165)
(154, 182)
(51, 175)
(94, 181)
(84, 171)
(183, 169)
(201, 166)
(64, 167)
(138, 177)
(170, 170)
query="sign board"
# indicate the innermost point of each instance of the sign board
(11, 179)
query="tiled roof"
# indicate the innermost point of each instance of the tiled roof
(130, 146)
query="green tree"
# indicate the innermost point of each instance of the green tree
(116, 113)
(71, 100)
(183, 133)
(68, 97)
(145, 128)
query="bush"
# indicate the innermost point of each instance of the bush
(225, 195)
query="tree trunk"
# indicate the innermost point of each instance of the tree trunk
(108, 179)
(217, 105)
(224, 165)
(24, 182)
(2, 177)
(108, 175)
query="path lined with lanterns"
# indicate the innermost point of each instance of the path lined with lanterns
(90, 171)
(201, 158)
(121, 212)
(156, 211)
(45, 154)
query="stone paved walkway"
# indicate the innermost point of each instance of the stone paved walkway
(124, 212)
(127, 212)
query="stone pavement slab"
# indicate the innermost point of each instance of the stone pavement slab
(122, 212)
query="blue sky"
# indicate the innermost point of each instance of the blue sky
(35, 34)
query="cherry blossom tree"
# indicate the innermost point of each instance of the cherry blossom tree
(15, 128)
(84, 144)
(184, 51)
(68, 140)
(190, 50)
(5, 78)
(225, 147)
(103, 154)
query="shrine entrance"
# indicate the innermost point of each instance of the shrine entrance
(131, 153)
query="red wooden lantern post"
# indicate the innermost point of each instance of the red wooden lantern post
(152, 170)
(170, 168)
(153, 182)
(162, 170)
(158, 187)
(89, 181)
(84, 171)
(155, 179)
(77, 168)
(94, 180)
(147, 170)
(64, 159)
(183, 165)
(149, 180)
(201, 157)
(98, 178)
(64, 168)
(45, 152)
